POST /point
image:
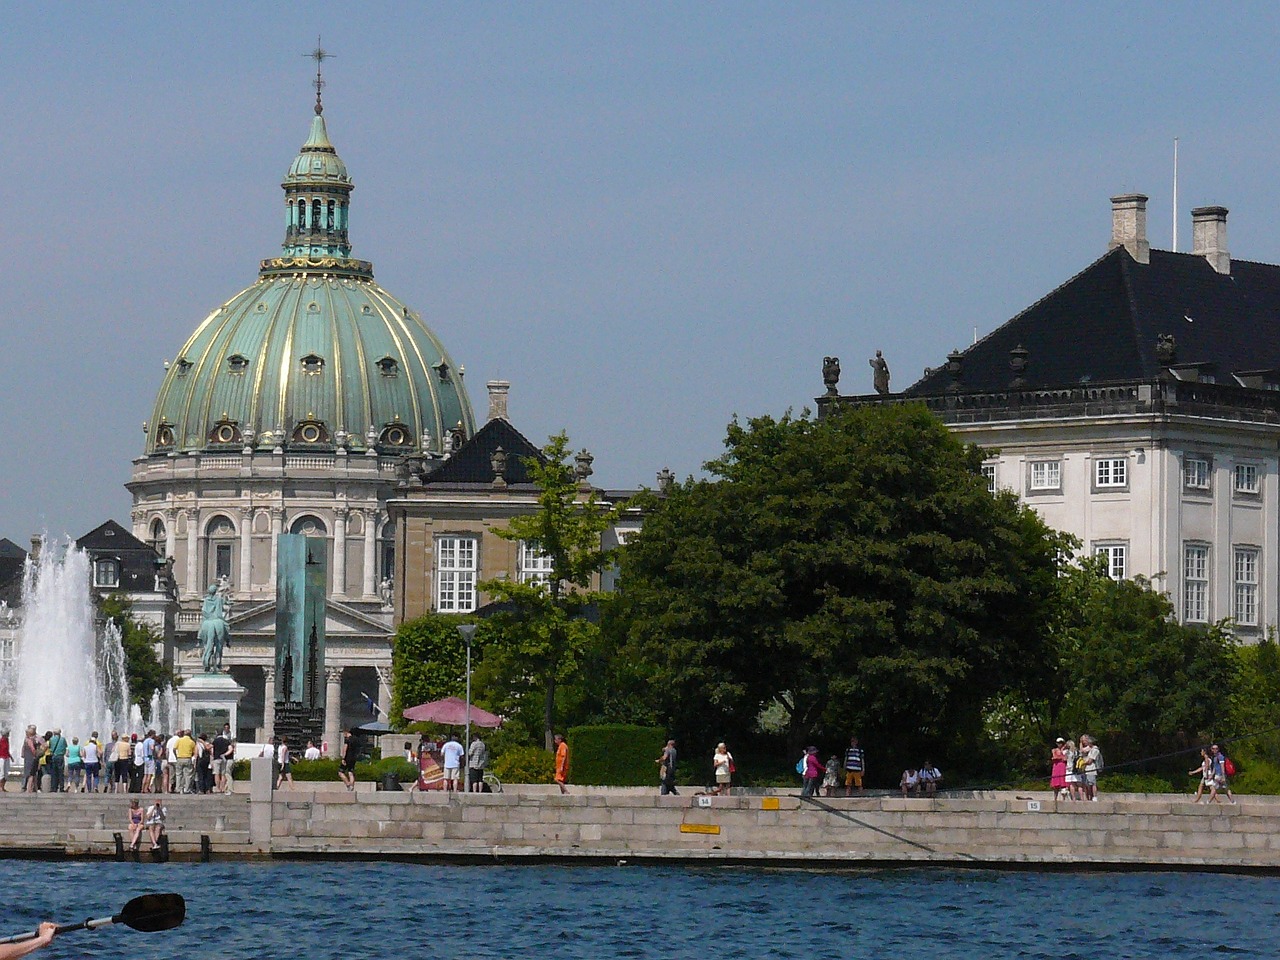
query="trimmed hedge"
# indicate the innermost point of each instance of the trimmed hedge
(616, 754)
(526, 765)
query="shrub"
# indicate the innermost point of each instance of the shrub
(1136, 783)
(1256, 776)
(313, 770)
(525, 765)
(405, 771)
(615, 754)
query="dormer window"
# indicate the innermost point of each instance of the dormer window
(183, 365)
(225, 431)
(389, 367)
(312, 365)
(164, 435)
(311, 432)
(442, 368)
(106, 573)
(237, 364)
(396, 435)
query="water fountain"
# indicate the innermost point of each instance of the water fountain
(68, 674)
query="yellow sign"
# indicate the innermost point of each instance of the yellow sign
(712, 828)
(770, 803)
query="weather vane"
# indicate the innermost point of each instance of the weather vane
(319, 55)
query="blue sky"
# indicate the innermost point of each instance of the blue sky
(648, 217)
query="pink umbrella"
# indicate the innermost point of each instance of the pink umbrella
(451, 711)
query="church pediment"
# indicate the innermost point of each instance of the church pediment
(340, 620)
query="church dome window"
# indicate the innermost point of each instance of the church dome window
(396, 435)
(225, 431)
(389, 367)
(312, 365)
(237, 364)
(183, 366)
(442, 369)
(164, 435)
(311, 432)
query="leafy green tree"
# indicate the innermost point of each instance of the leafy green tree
(538, 640)
(144, 670)
(428, 662)
(1126, 671)
(853, 568)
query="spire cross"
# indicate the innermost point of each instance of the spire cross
(319, 55)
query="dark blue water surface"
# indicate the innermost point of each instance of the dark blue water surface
(327, 911)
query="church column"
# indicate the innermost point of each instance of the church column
(193, 553)
(246, 548)
(269, 703)
(277, 528)
(340, 552)
(333, 709)
(370, 552)
(170, 533)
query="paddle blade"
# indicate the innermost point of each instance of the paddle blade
(153, 911)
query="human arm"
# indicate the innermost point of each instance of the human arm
(42, 939)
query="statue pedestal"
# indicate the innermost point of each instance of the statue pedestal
(207, 701)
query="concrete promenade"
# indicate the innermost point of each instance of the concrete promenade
(612, 825)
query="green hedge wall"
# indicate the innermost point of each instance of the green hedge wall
(617, 754)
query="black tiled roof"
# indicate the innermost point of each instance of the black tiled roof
(10, 549)
(471, 463)
(1102, 325)
(137, 559)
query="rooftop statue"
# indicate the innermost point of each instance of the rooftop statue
(880, 373)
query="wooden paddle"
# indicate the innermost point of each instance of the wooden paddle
(148, 913)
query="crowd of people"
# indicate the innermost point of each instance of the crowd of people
(125, 763)
(1074, 769)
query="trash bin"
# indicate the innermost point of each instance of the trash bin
(390, 781)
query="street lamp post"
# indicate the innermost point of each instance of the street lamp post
(467, 631)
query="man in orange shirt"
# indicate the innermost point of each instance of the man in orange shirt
(562, 762)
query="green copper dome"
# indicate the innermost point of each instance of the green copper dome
(315, 355)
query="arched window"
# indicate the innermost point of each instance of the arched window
(309, 526)
(156, 540)
(387, 551)
(293, 216)
(315, 214)
(329, 221)
(220, 534)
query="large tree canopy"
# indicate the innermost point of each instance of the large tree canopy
(854, 567)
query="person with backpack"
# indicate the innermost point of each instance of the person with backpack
(1223, 771)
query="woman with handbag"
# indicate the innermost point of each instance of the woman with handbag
(722, 764)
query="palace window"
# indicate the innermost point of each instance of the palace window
(158, 539)
(455, 574)
(1195, 473)
(1111, 472)
(989, 474)
(534, 565)
(1116, 556)
(106, 573)
(1245, 599)
(1246, 478)
(1046, 475)
(387, 551)
(1195, 583)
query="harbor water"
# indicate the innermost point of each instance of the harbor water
(335, 911)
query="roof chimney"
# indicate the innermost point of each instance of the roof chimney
(1129, 226)
(1209, 236)
(498, 390)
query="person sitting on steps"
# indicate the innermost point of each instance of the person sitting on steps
(135, 824)
(155, 822)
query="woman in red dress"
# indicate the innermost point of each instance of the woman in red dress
(1058, 770)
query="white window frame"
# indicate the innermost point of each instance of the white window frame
(106, 573)
(989, 474)
(1117, 557)
(1197, 473)
(1246, 479)
(456, 569)
(1195, 582)
(1244, 606)
(1111, 472)
(532, 565)
(1050, 474)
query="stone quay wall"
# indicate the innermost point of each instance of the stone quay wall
(611, 825)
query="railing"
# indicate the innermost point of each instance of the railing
(303, 462)
(220, 463)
